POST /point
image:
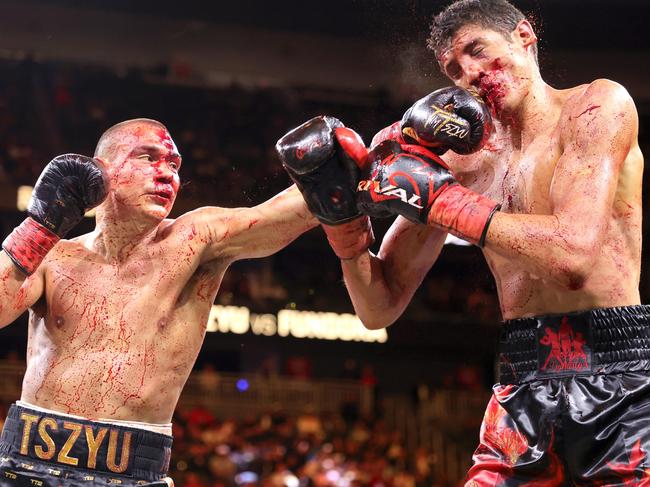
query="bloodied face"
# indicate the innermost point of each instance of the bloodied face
(499, 66)
(143, 163)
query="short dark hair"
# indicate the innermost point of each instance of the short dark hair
(497, 15)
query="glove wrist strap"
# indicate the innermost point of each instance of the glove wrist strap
(28, 245)
(463, 213)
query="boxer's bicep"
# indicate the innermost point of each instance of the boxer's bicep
(259, 231)
(17, 292)
(598, 139)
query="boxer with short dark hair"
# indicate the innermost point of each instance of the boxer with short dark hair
(554, 200)
(117, 316)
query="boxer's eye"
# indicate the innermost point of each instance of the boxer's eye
(146, 157)
(173, 166)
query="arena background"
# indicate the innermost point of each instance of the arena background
(274, 399)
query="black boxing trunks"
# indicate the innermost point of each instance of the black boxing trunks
(43, 449)
(573, 403)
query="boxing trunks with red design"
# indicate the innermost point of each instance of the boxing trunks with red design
(41, 449)
(572, 406)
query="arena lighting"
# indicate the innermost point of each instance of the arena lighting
(246, 478)
(242, 385)
(289, 322)
(22, 197)
(25, 193)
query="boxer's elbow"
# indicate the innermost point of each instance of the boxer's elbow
(375, 322)
(375, 317)
(9, 314)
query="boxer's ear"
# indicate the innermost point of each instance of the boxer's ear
(102, 164)
(105, 166)
(524, 34)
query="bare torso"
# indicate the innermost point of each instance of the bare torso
(521, 179)
(118, 340)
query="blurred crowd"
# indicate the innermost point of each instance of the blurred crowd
(280, 450)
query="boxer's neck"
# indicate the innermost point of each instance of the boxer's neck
(533, 113)
(115, 238)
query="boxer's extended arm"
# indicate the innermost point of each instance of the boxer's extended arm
(244, 233)
(601, 131)
(17, 291)
(382, 286)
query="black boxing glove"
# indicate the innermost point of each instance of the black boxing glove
(322, 157)
(411, 181)
(70, 185)
(449, 118)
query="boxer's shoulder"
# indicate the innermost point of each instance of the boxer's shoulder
(72, 247)
(205, 225)
(600, 98)
(597, 111)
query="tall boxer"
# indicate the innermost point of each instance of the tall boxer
(561, 176)
(105, 367)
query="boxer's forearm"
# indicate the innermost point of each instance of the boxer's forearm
(547, 246)
(382, 286)
(375, 303)
(17, 291)
(276, 223)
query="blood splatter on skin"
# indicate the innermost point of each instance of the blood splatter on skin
(588, 110)
(125, 307)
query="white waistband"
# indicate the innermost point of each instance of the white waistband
(163, 429)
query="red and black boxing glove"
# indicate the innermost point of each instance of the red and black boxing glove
(448, 118)
(411, 181)
(322, 157)
(70, 185)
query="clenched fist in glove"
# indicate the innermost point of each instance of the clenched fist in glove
(410, 180)
(70, 185)
(322, 157)
(449, 118)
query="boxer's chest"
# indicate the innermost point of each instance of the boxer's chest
(521, 178)
(133, 294)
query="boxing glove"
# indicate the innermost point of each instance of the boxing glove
(449, 118)
(322, 157)
(410, 180)
(70, 185)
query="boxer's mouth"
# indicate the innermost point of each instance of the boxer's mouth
(487, 89)
(162, 193)
(491, 92)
